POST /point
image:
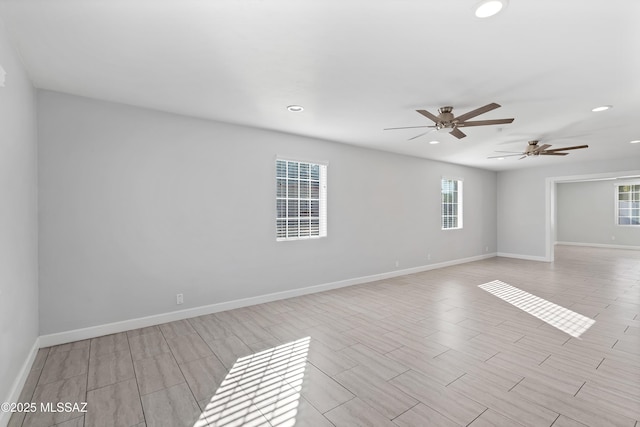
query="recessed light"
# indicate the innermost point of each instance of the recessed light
(295, 108)
(601, 108)
(488, 8)
(434, 142)
(635, 141)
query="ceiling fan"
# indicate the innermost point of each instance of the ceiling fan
(446, 121)
(533, 149)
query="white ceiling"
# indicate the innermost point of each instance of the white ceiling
(357, 67)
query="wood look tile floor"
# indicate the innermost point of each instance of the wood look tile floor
(427, 349)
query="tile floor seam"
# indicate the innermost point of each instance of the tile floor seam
(407, 410)
(337, 406)
(479, 415)
(576, 393)
(135, 377)
(554, 421)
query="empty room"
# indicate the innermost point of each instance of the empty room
(289, 213)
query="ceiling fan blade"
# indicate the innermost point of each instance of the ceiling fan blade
(458, 133)
(418, 136)
(541, 148)
(523, 157)
(477, 112)
(429, 116)
(547, 153)
(507, 155)
(513, 152)
(409, 127)
(575, 147)
(486, 122)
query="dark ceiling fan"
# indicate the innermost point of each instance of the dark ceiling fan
(445, 120)
(533, 149)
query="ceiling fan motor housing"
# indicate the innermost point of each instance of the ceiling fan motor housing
(531, 148)
(447, 119)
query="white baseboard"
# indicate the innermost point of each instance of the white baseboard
(600, 245)
(141, 322)
(525, 257)
(19, 382)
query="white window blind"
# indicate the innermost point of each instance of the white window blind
(451, 203)
(628, 204)
(301, 200)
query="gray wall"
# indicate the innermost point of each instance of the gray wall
(522, 205)
(138, 205)
(586, 214)
(18, 219)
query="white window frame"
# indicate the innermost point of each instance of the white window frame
(458, 203)
(617, 202)
(294, 233)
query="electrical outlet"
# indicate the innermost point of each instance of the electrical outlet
(486, 248)
(179, 299)
(613, 237)
(428, 257)
(397, 263)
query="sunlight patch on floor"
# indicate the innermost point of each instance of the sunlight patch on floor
(570, 322)
(264, 386)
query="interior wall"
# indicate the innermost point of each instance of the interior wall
(586, 215)
(18, 219)
(522, 211)
(138, 205)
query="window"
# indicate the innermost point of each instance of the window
(628, 204)
(301, 200)
(451, 203)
